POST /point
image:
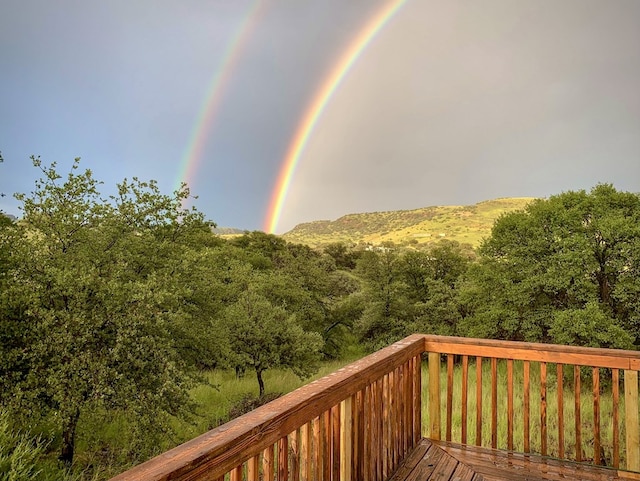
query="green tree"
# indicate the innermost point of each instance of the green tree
(572, 252)
(264, 336)
(95, 284)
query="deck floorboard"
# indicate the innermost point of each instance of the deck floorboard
(444, 461)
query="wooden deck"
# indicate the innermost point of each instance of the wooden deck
(443, 461)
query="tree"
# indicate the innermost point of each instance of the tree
(94, 283)
(264, 336)
(556, 259)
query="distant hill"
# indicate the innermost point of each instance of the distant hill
(465, 224)
(12, 217)
(227, 231)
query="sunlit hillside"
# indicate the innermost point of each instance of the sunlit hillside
(465, 224)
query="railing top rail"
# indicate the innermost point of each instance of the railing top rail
(532, 351)
(222, 449)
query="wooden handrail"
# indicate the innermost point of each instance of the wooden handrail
(542, 354)
(362, 420)
(221, 450)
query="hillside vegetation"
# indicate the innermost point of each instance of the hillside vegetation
(465, 224)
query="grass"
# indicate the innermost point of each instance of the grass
(586, 410)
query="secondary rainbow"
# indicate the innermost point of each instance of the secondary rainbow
(320, 100)
(197, 140)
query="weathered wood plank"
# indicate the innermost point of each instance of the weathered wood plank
(510, 412)
(527, 407)
(596, 416)
(465, 387)
(615, 391)
(543, 408)
(631, 419)
(253, 468)
(494, 402)
(478, 400)
(576, 403)
(346, 439)
(268, 464)
(549, 353)
(434, 395)
(449, 396)
(560, 391)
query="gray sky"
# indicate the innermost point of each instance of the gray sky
(453, 102)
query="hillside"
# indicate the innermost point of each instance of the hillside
(465, 224)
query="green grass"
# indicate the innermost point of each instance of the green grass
(586, 410)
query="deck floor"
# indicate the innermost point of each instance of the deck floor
(442, 461)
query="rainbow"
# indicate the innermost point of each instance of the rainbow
(197, 140)
(320, 100)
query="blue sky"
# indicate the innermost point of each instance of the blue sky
(454, 102)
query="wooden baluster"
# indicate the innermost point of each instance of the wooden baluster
(407, 428)
(527, 407)
(478, 401)
(510, 404)
(236, 473)
(317, 448)
(543, 408)
(346, 439)
(368, 442)
(325, 433)
(417, 399)
(294, 458)
(386, 421)
(596, 416)
(359, 417)
(434, 395)
(395, 421)
(253, 468)
(283, 459)
(631, 419)
(449, 395)
(577, 389)
(615, 388)
(465, 386)
(494, 403)
(306, 452)
(335, 442)
(379, 449)
(560, 388)
(268, 468)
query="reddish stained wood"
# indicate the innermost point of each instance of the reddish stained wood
(358, 419)
(346, 439)
(631, 420)
(335, 442)
(527, 406)
(386, 421)
(393, 425)
(368, 426)
(494, 403)
(510, 404)
(434, 395)
(449, 395)
(530, 351)
(543, 408)
(615, 391)
(417, 398)
(407, 424)
(268, 468)
(577, 398)
(283, 459)
(379, 429)
(559, 384)
(294, 455)
(596, 416)
(222, 449)
(465, 386)
(317, 451)
(478, 401)
(253, 468)
(325, 443)
(236, 474)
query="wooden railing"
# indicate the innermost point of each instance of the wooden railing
(361, 421)
(357, 423)
(526, 385)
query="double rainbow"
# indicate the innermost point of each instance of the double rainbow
(317, 106)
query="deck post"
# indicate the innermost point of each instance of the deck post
(631, 419)
(434, 395)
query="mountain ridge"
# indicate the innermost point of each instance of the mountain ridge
(462, 223)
